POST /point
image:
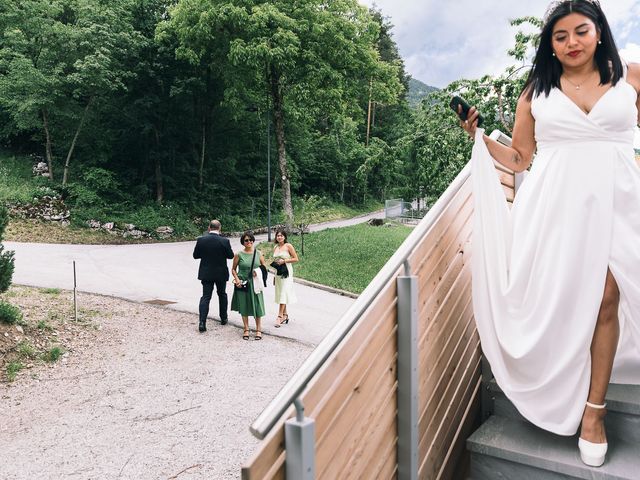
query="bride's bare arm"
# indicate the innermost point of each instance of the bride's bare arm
(633, 77)
(523, 145)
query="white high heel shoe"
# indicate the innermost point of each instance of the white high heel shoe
(592, 454)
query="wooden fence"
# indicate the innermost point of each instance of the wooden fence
(353, 397)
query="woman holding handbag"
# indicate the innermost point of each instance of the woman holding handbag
(246, 299)
(284, 255)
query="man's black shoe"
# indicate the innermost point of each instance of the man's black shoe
(202, 327)
(224, 321)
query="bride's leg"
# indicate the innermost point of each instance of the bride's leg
(603, 350)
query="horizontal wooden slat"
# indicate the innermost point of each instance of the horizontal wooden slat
(383, 464)
(509, 193)
(446, 328)
(349, 416)
(431, 423)
(424, 251)
(380, 437)
(470, 421)
(378, 419)
(382, 430)
(433, 382)
(433, 270)
(343, 359)
(437, 310)
(441, 236)
(452, 417)
(270, 456)
(507, 179)
(502, 169)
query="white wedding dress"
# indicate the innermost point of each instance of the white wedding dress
(539, 268)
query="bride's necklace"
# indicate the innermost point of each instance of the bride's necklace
(578, 85)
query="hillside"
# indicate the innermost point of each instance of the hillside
(417, 91)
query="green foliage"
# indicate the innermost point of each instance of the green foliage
(10, 314)
(43, 325)
(57, 58)
(51, 291)
(26, 350)
(17, 185)
(53, 354)
(436, 149)
(162, 108)
(346, 258)
(6, 257)
(12, 370)
(417, 92)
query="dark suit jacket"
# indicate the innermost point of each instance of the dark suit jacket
(213, 252)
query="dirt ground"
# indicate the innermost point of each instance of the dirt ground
(138, 393)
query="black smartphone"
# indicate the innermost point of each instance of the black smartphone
(455, 101)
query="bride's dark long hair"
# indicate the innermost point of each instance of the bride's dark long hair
(546, 71)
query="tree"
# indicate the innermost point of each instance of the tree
(436, 150)
(6, 257)
(58, 58)
(309, 58)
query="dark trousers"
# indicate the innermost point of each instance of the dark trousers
(207, 292)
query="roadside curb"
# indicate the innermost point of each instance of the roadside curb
(326, 288)
(319, 286)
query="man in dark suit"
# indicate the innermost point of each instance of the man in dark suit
(213, 250)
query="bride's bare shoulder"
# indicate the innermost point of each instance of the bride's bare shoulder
(633, 75)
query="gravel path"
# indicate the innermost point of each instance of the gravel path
(151, 398)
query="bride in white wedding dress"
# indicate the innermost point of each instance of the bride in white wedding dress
(556, 279)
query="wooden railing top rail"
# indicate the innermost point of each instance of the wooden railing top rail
(295, 386)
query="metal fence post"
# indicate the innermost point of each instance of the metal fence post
(407, 287)
(486, 396)
(299, 439)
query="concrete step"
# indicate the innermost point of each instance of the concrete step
(623, 410)
(505, 449)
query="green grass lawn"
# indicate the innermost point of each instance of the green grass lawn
(345, 258)
(17, 183)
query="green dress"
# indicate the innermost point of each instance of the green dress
(249, 304)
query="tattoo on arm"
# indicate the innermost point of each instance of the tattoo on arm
(516, 159)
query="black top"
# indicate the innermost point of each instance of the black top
(213, 252)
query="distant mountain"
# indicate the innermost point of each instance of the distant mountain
(417, 91)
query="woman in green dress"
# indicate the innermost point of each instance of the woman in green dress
(248, 302)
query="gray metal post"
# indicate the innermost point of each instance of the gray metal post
(486, 396)
(268, 175)
(407, 287)
(75, 301)
(299, 440)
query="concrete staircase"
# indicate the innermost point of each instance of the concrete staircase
(507, 447)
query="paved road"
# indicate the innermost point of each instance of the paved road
(167, 271)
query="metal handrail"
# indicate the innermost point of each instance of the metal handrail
(263, 424)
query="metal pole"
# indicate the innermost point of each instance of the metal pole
(299, 439)
(268, 174)
(407, 421)
(75, 303)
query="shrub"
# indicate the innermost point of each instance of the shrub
(12, 370)
(10, 314)
(6, 258)
(52, 355)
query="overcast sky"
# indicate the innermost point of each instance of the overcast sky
(442, 41)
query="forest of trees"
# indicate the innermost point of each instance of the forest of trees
(168, 104)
